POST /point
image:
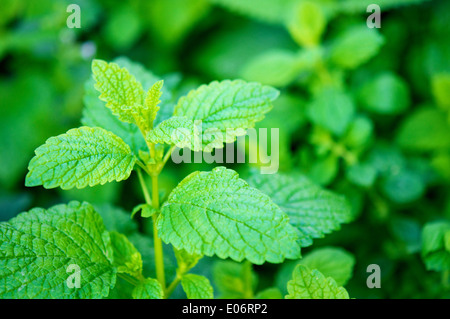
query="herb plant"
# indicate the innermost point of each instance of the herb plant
(212, 213)
(362, 114)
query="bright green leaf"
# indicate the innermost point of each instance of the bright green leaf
(119, 89)
(218, 213)
(311, 209)
(152, 100)
(146, 210)
(278, 67)
(37, 249)
(179, 131)
(126, 257)
(312, 284)
(355, 46)
(197, 287)
(307, 23)
(81, 157)
(186, 261)
(96, 114)
(148, 289)
(331, 262)
(226, 109)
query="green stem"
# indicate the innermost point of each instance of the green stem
(172, 286)
(248, 290)
(159, 257)
(148, 200)
(129, 279)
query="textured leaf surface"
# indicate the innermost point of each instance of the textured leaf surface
(313, 210)
(312, 284)
(226, 109)
(178, 131)
(218, 213)
(119, 89)
(152, 100)
(197, 287)
(96, 114)
(37, 247)
(148, 289)
(186, 261)
(81, 157)
(126, 257)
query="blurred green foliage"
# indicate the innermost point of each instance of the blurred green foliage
(365, 112)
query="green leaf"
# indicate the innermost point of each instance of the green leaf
(307, 23)
(424, 130)
(233, 280)
(197, 287)
(311, 209)
(152, 100)
(38, 247)
(218, 213)
(81, 157)
(362, 174)
(146, 210)
(332, 109)
(148, 289)
(126, 257)
(324, 170)
(186, 261)
(179, 131)
(95, 114)
(331, 262)
(359, 132)
(226, 109)
(435, 252)
(119, 89)
(355, 46)
(386, 93)
(278, 67)
(312, 284)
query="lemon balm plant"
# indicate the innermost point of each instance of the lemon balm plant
(267, 218)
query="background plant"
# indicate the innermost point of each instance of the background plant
(388, 155)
